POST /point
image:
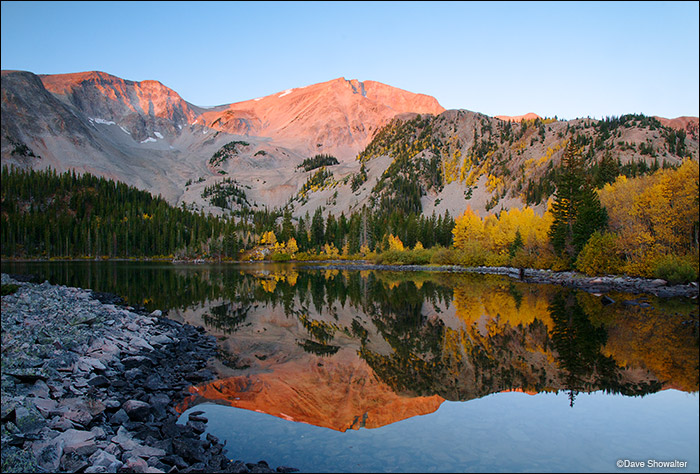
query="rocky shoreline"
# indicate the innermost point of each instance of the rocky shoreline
(90, 385)
(598, 285)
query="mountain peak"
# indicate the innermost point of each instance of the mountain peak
(339, 116)
(518, 118)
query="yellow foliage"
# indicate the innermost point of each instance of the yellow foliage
(654, 215)
(330, 274)
(600, 255)
(495, 307)
(292, 247)
(330, 250)
(469, 227)
(268, 238)
(269, 285)
(497, 234)
(493, 183)
(292, 278)
(657, 341)
(395, 243)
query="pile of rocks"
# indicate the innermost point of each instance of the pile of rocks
(90, 385)
(601, 284)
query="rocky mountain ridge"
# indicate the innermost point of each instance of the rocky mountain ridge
(146, 135)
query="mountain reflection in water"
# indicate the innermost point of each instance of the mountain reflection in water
(345, 350)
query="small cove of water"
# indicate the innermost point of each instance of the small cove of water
(356, 371)
(507, 432)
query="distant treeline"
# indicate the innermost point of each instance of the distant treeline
(317, 161)
(46, 214)
(49, 214)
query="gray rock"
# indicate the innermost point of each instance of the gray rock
(197, 426)
(61, 423)
(96, 469)
(124, 440)
(112, 403)
(136, 464)
(40, 389)
(72, 462)
(99, 381)
(137, 344)
(48, 453)
(18, 460)
(113, 449)
(606, 300)
(107, 460)
(154, 383)
(79, 442)
(7, 408)
(99, 432)
(44, 405)
(76, 410)
(199, 418)
(136, 409)
(119, 418)
(136, 361)
(29, 420)
(161, 339)
(286, 469)
(147, 451)
(56, 389)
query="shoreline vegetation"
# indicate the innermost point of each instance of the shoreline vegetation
(640, 226)
(81, 393)
(597, 284)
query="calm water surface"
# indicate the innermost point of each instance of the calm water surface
(355, 371)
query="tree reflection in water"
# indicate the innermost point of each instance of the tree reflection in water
(460, 337)
(455, 336)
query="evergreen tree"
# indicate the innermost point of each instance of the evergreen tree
(576, 209)
(287, 231)
(301, 236)
(317, 230)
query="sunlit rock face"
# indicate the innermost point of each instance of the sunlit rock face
(689, 125)
(339, 396)
(143, 108)
(518, 118)
(337, 117)
(145, 135)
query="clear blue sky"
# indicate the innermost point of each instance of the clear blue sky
(568, 59)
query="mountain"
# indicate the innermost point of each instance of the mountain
(97, 123)
(687, 124)
(395, 149)
(337, 117)
(317, 393)
(461, 159)
(518, 118)
(142, 108)
(145, 134)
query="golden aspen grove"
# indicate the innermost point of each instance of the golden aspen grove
(652, 231)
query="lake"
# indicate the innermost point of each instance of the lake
(330, 370)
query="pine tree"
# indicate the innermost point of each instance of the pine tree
(287, 231)
(576, 209)
(317, 229)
